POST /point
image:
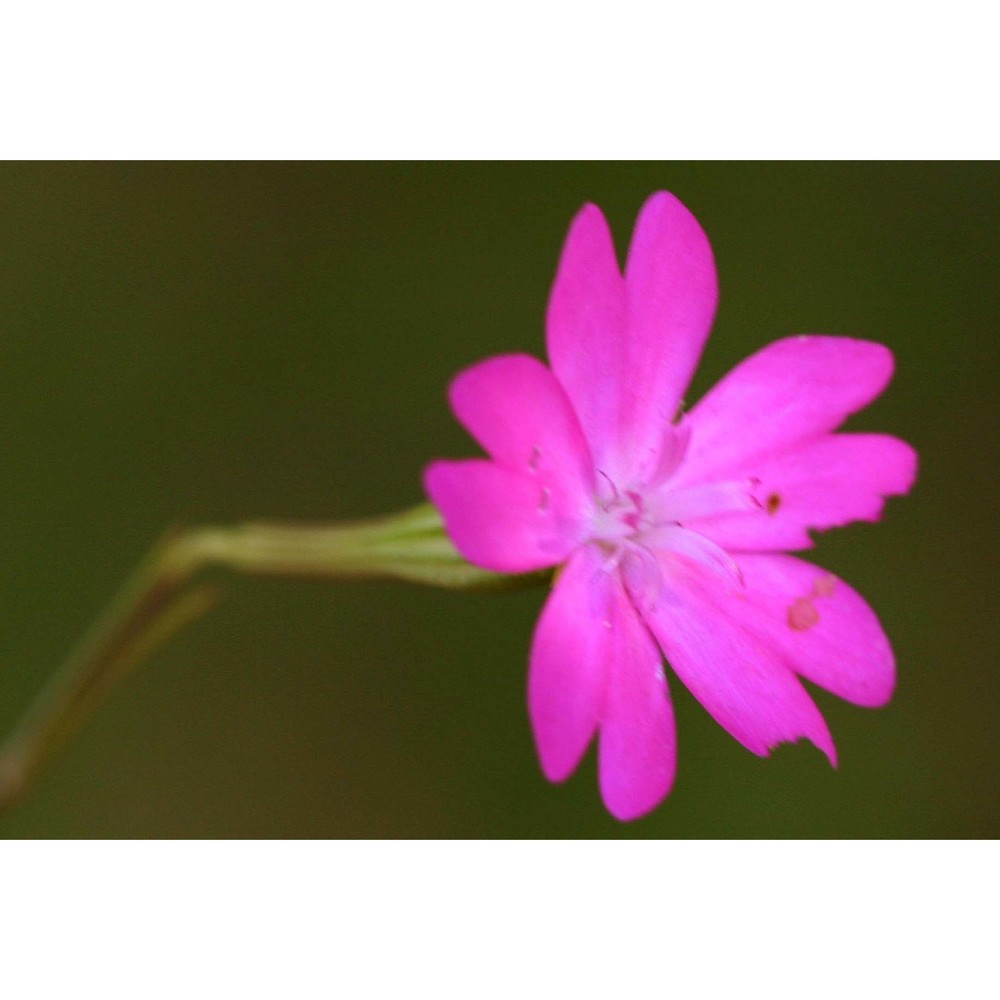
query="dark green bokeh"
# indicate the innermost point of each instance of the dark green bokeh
(208, 343)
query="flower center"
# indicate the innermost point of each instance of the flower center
(619, 517)
(642, 529)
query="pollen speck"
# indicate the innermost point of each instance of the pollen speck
(824, 586)
(543, 502)
(536, 457)
(773, 504)
(802, 614)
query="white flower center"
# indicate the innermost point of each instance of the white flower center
(620, 518)
(641, 529)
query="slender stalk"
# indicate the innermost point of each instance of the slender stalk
(148, 609)
(162, 597)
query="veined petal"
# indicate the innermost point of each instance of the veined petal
(788, 393)
(671, 294)
(689, 504)
(672, 451)
(672, 541)
(499, 519)
(570, 657)
(514, 407)
(821, 627)
(637, 745)
(585, 329)
(740, 678)
(824, 483)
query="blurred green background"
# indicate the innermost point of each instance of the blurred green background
(189, 343)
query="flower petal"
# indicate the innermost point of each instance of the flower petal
(569, 663)
(787, 393)
(500, 519)
(593, 662)
(585, 328)
(514, 407)
(675, 542)
(824, 483)
(821, 627)
(740, 677)
(671, 295)
(637, 745)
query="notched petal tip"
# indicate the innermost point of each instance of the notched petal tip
(671, 290)
(820, 741)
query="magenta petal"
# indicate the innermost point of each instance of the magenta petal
(570, 656)
(514, 407)
(824, 483)
(788, 392)
(585, 327)
(671, 295)
(637, 746)
(497, 518)
(740, 677)
(821, 627)
(593, 661)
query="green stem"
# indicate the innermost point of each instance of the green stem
(161, 599)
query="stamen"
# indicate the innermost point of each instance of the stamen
(633, 517)
(614, 489)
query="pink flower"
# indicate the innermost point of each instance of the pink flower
(668, 529)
